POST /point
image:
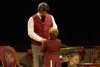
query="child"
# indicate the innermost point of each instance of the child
(51, 49)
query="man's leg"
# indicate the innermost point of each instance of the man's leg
(35, 50)
(41, 59)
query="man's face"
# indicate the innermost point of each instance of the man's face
(43, 13)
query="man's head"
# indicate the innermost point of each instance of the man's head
(43, 9)
(53, 33)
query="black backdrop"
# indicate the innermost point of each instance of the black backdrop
(78, 22)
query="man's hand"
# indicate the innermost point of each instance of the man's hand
(43, 40)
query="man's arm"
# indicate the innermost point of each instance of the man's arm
(54, 23)
(31, 32)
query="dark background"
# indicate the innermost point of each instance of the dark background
(78, 22)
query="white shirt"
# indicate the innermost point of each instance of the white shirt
(31, 32)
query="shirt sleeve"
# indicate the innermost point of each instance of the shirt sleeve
(54, 23)
(31, 32)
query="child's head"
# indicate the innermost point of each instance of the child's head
(53, 33)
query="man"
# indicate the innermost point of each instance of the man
(38, 28)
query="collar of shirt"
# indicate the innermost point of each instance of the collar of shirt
(39, 15)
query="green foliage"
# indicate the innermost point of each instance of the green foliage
(68, 51)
